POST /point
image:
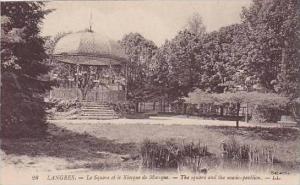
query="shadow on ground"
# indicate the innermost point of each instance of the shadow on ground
(66, 144)
(274, 134)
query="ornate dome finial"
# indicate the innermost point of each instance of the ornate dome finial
(91, 22)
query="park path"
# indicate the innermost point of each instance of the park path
(126, 131)
(172, 120)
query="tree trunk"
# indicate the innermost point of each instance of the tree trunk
(83, 93)
(237, 114)
(246, 115)
(221, 111)
(164, 105)
(136, 106)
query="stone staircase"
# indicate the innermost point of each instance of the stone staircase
(94, 110)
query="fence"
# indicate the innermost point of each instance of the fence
(159, 106)
(212, 110)
(95, 95)
(205, 110)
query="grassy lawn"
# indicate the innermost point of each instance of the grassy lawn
(103, 146)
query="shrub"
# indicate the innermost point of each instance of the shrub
(123, 109)
(23, 119)
(233, 150)
(169, 154)
(64, 105)
(266, 107)
(295, 109)
(22, 113)
(263, 114)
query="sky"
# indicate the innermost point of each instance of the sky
(155, 20)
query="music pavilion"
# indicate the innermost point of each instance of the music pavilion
(91, 67)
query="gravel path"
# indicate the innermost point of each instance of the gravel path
(175, 120)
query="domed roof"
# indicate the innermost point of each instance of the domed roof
(89, 43)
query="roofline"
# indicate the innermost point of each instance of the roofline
(109, 56)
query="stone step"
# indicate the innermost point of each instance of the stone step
(98, 114)
(104, 108)
(92, 102)
(97, 117)
(105, 113)
(93, 110)
(95, 105)
(97, 110)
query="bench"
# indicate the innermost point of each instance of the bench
(287, 121)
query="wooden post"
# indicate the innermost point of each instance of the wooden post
(164, 105)
(136, 106)
(126, 81)
(237, 114)
(246, 115)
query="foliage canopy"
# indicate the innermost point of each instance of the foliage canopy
(23, 69)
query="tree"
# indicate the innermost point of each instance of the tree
(274, 39)
(160, 73)
(23, 63)
(223, 59)
(187, 62)
(139, 51)
(177, 68)
(176, 71)
(195, 25)
(212, 65)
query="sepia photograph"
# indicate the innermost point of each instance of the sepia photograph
(150, 92)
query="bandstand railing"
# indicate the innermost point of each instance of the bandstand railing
(94, 95)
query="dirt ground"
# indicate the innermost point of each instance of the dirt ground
(103, 145)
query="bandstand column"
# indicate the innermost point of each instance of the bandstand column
(77, 73)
